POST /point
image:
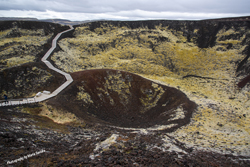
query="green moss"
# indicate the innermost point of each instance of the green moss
(142, 51)
(14, 61)
(151, 97)
(17, 50)
(27, 82)
(46, 123)
(84, 96)
(115, 82)
(33, 111)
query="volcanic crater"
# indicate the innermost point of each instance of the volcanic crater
(123, 99)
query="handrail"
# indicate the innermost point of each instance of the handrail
(11, 102)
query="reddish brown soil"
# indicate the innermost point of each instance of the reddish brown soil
(244, 81)
(128, 115)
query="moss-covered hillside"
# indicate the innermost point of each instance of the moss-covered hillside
(205, 59)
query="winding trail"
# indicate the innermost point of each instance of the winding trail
(44, 96)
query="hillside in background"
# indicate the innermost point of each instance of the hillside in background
(142, 91)
(56, 21)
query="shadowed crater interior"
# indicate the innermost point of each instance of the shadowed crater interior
(124, 99)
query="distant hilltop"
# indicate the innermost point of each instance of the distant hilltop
(243, 18)
(17, 18)
(69, 22)
(58, 21)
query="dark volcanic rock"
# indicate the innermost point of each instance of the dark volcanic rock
(28, 79)
(124, 99)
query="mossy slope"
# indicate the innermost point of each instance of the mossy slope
(205, 59)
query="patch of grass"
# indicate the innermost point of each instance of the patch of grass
(151, 98)
(83, 95)
(33, 111)
(13, 61)
(49, 122)
(216, 128)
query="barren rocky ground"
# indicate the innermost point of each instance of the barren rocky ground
(145, 93)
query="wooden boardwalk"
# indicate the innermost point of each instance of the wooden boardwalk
(44, 96)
